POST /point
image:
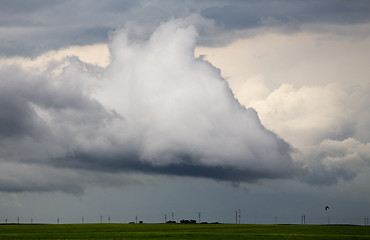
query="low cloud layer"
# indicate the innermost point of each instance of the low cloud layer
(155, 109)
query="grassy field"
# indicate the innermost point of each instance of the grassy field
(182, 231)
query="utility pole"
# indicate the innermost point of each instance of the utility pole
(109, 219)
(236, 217)
(101, 219)
(83, 220)
(240, 213)
(303, 219)
(57, 220)
(172, 217)
(136, 219)
(199, 216)
(275, 220)
(165, 218)
(18, 220)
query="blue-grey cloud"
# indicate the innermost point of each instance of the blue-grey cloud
(29, 29)
(249, 14)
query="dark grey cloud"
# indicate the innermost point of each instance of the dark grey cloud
(21, 92)
(17, 6)
(18, 178)
(39, 179)
(186, 164)
(31, 28)
(248, 14)
(38, 26)
(16, 116)
(320, 176)
(338, 160)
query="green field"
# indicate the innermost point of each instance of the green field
(182, 231)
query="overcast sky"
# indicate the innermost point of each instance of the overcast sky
(143, 108)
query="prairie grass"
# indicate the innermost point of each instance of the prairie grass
(181, 231)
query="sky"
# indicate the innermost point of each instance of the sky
(124, 109)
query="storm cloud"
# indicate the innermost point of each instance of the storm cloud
(155, 109)
(33, 28)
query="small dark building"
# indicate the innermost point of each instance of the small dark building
(188, 221)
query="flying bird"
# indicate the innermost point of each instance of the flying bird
(326, 208)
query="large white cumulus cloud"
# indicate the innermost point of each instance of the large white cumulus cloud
(311, 88)
(154, 109)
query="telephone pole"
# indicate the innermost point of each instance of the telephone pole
(240, 213)
(303, 219)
